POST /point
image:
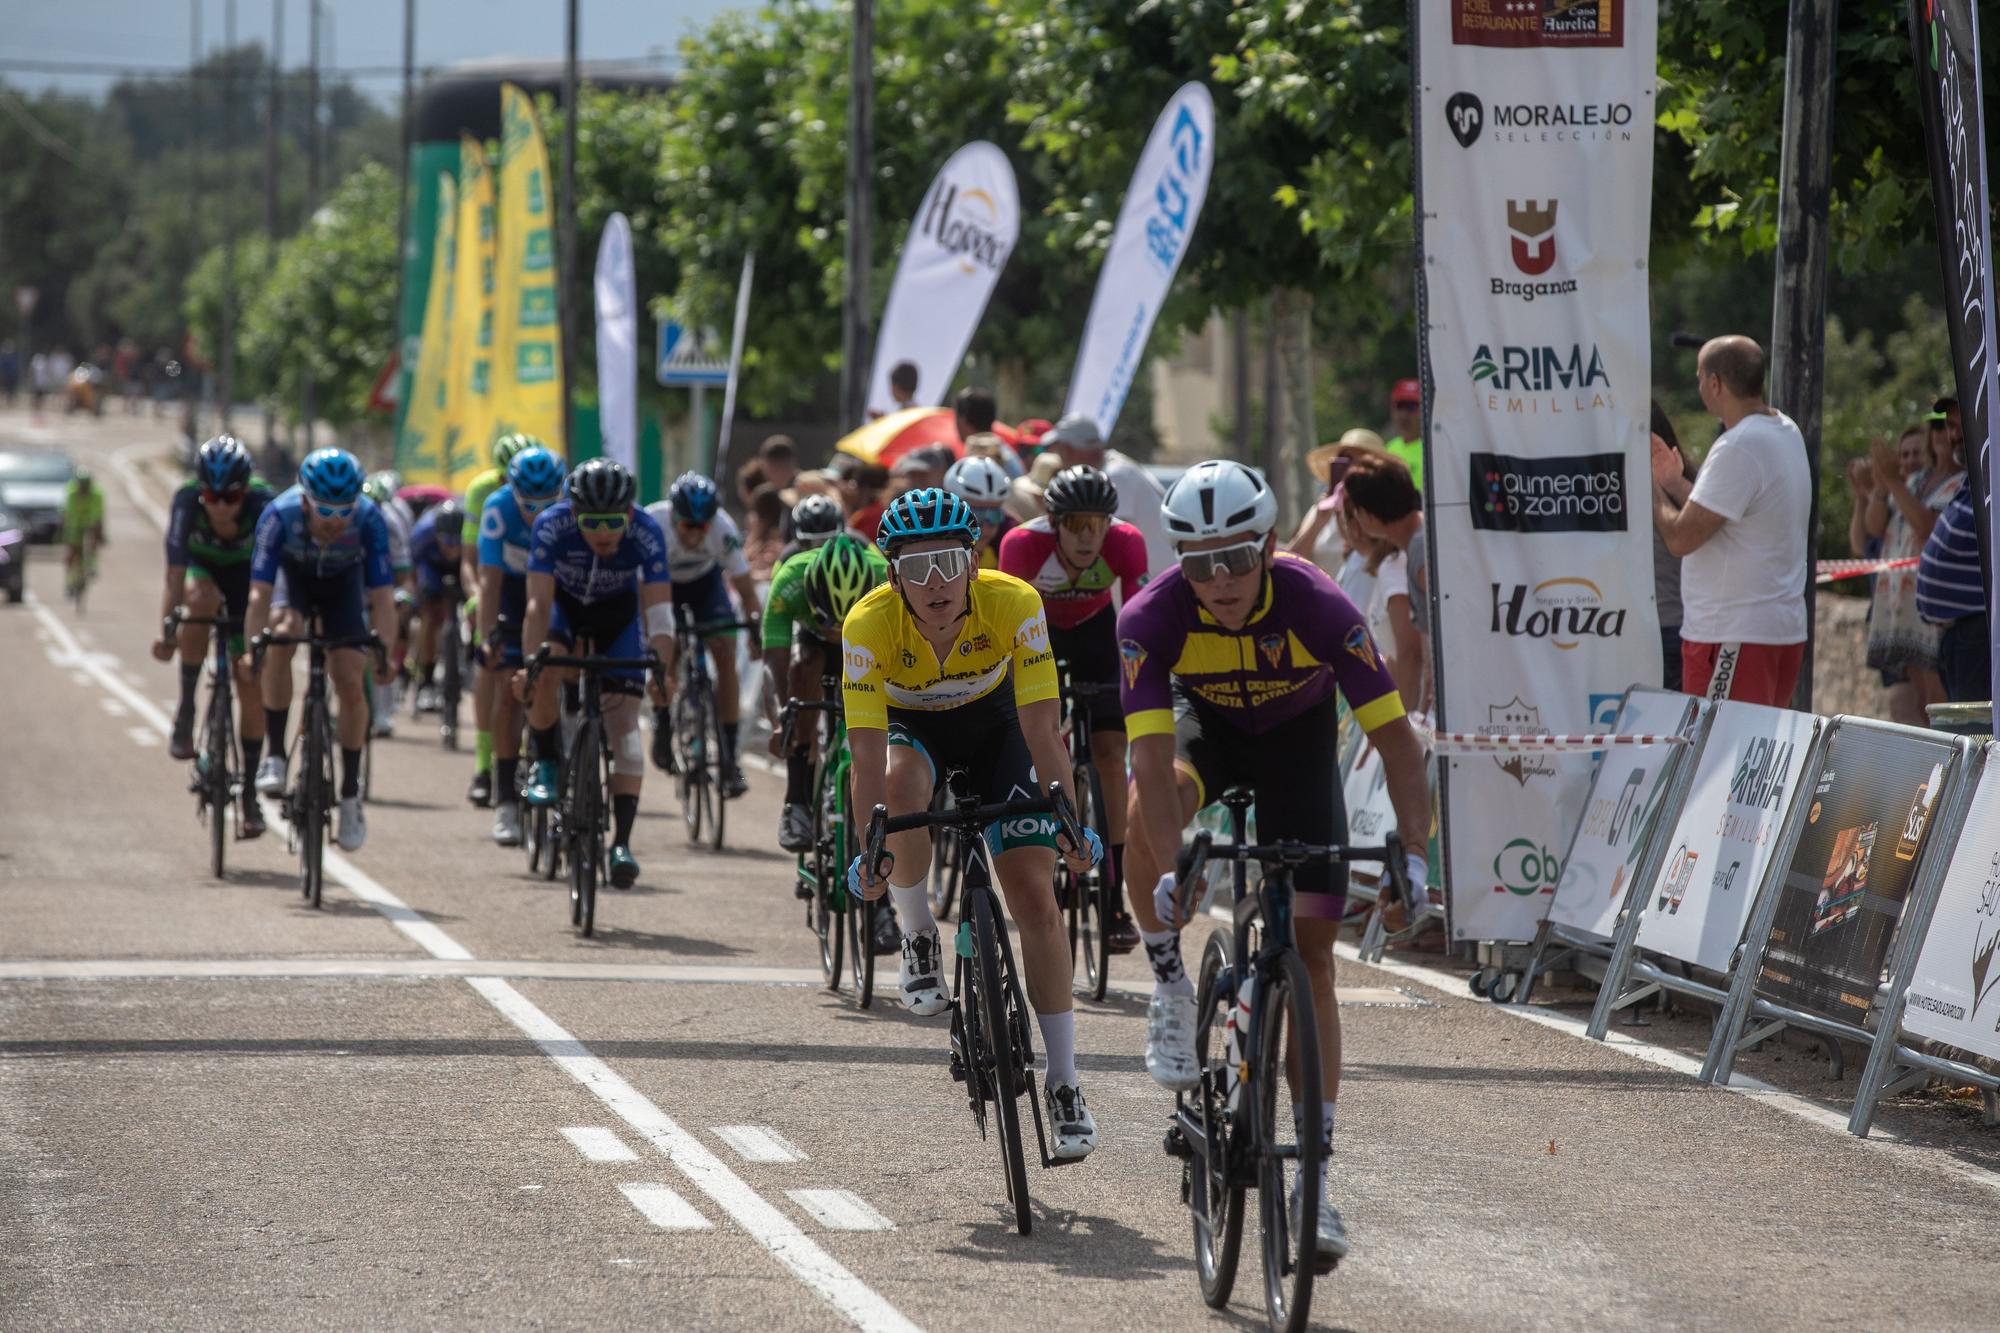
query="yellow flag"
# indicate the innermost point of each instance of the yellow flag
(427, 423)
(527, 340)
(469, 444)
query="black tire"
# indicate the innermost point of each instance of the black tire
(449, 652)
(1093, 893)
(581, 817)
(860, 925)
(312, 800)
(998, 1061)
(1215, 1200)
(718, 762)
(690, 744)
(1284, 1011)
(217, 780)
(829, 900)
(947, 873)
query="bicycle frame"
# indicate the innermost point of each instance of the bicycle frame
(215, 784)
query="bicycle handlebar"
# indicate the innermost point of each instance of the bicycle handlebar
(788, 716)
(179, 616)
(1195, 857)
(971, 819)
(543, 659)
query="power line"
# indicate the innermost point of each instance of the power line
(88, 68)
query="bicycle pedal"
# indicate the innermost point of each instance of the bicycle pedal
(1176, 1145)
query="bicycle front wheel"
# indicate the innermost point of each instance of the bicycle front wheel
(719, 760)
(216, 778)
(314, 785)
(450, 652)
(829, 892)
(1214, 1198)
(581, 819)
(1093, 893)
(1288, 1156)
(998, 1060)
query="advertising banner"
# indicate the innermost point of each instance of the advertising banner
(1370, 815)
(1945, 37)
(618, 343)
(469, 443)
(1844, 889)
(964, 231)
(427, 420)
(1157, 221)
(527, 337)
(1625, 798)
(1721, 848)
(1535, 168)
(1954, 996)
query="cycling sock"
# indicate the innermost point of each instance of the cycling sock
(798, 777)
(663, 721)
(624, 809)
(729, 730)
(350, 772)
(275, 721)
(1114, 866)
(1059, 1043)
(190, 677)
(548, 743)
(426, 673)
(506, 773)
(1325, 1137)
(913, 907)
(1163, 951)
(482, 752)
(252, 752)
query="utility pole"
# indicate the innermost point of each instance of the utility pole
(854, 331)
(309, 406)
(1798, 305)
(226, 362)
(566, 271)
(272, 121)
(194, 207)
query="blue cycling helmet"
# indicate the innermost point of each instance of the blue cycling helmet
(223, 464)
(693, 498)
(331, 476)
(915, 516)
(536, 473)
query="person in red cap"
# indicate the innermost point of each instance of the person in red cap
(1406, 410)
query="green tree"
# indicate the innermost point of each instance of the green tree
(202, 308)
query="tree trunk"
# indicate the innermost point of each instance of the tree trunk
(1010, 387)
(1292, 412)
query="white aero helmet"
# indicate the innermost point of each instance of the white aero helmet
(980, 482)
(1219, 498)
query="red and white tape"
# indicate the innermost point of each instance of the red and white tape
(1833, 571)
(1468, 742)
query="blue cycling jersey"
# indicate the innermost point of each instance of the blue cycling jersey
(505, 534)
(285, 543)
(558, 548)
(427, 546)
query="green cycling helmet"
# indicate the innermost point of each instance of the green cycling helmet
(382, 487)
(838, 576)
(511, 444)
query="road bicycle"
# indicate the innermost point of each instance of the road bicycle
(308, 804)
(582, 824)
(1090, 900)
(842, 925)
(1233, 1131)
(699, 753)
(214, 781)
(991, 1052)
(451, 652)
(79, 573)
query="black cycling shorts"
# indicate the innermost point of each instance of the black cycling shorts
(983, 738)
(1294, 776)
(1090, 652)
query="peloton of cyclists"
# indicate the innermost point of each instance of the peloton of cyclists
(436, 558)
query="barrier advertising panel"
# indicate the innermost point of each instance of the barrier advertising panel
(1954, 997)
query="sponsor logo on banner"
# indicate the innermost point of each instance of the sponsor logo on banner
(1563, 493)
(1517, 717)
(1919, 818)
(1526, 23)
(1540, 380)
(1674, 883)
(1531, 244)
(1467, 117)
(1604, 710)
(1525, 868)
(974, 234)
(1565, 611)
(1986, 936)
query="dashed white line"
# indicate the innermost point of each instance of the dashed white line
(755, 1143)
(840, 1210)
(144, 737)
(664, 1208)
(599, 1144)
(113, 707)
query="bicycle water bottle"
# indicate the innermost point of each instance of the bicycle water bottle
(1235, 1029)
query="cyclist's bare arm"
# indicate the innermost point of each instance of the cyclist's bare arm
(1409, 791)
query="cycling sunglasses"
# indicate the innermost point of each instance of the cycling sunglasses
(924, 568)
(534, 504)
(1201, 566)
(1082, 523)
(234, 495)
(603, 522)
(325, 510)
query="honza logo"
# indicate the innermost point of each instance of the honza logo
(1564, 493)
(1565, 611)
(974, 240)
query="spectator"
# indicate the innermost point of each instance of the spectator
(10, 371)
(1666, 568)
(1740, 532)
(1319, 538)
(1951, 594)
(861, 491)
(1077, 441)
(903, 385)
(1024, 497)
(39, 380)
(985, 444)
(749, 478)
(1911, 485)
(974, 411)
(779, 456)
(1388, 508)
(764, 532)
(1406, 413)
(920, 468)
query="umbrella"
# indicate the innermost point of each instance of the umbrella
(887, 439)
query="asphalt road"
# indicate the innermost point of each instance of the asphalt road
(431, 1105)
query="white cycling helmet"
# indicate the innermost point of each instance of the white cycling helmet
(1219, 498)
(980, 482)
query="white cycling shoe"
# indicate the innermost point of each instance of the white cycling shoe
(922, 983)
(1071, 1126)
(352, 827)
(1170, 1041)
(507, 824)
(271, 775)
(1329, 1236)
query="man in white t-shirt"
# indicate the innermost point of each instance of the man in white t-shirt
(1078, 442)
(1740, 529)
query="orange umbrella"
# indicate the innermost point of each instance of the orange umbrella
(887, 439)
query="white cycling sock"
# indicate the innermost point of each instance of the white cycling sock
(1059, 1042)
(913, 907)
(1163, 951)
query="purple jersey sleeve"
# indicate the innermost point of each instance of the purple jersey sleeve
(1334, 630)
(1151, 630)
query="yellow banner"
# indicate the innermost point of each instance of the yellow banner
(527, 339)
(469, 443)
(427, 424)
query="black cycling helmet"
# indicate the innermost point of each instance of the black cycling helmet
(602, 486)
(816, 518)
(450, 518)
(223, 464)
(1080, 490)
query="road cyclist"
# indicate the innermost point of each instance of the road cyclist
(381, 488)
(948, 667)
(984, 486)
(321, 554)
(436, 559)
(82, 522)
(1220, 652)
(487, 684)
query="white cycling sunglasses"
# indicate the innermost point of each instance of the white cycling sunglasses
(924, 568)
(1201, 566)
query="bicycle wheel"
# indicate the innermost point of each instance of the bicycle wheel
(1213, 1197)
(998, 1061)
(216, 779)
(1288, 1158)
(449, 652)
(947, 873)
(690, 746)
(313, 787)
(829, 900)
(860, 921)
(581, 817)
(718, 760)
(1093, 892)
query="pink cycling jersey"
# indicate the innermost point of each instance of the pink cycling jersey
(1029, 552)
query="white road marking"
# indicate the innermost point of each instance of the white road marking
(113, 707)
(840, 1210)
(664, 1208)
(599, 1144)
(282, 969)
(144, 737)
(755, 1143)
(760, 1219)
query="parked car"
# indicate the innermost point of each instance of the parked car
(32, 482)
(13, 555)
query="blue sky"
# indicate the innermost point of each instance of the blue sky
(152, 33)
